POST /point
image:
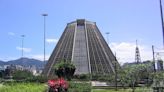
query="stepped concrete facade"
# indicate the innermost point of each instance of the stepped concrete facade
(82, 44)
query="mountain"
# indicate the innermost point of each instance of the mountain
(24, 62)
(2, 63)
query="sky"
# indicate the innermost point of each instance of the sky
(126, 20)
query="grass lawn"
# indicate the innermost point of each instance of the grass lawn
(73, 87)
(37, 87)
(122, 90)
(23, 87)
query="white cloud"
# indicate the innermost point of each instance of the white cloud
(33, 56)
(11, 33)
(6, 58)
(50, 40)
(24, 49)
(40, 57)
(125, 51)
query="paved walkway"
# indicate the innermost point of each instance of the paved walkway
(98, 83)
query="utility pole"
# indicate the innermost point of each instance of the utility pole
(161, 11)
(44, 15)
(153, 58)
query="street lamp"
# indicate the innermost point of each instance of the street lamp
(153, 58)
(22, 43)
(162, 19)
(44, 15)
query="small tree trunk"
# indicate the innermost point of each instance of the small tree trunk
(133, 86)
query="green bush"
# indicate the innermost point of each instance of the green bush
(26, 76)
(79, 87)
(64, 69)
(39, 79)
(22, 75)
(85, 77)
(99, 77)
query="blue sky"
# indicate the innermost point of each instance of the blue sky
(126, 20)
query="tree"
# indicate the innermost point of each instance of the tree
(158, 76)
(2, 73)
(132, 74)
(124, 78)
(64, 69)
(22, 75)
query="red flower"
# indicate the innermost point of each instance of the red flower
(51, 82)
(58, 83)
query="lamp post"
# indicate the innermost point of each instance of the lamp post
(153, 58)
(158, 85)
(161, 11)
(22, 43)
(44, 15)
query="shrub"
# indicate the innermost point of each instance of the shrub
(79, 87)
(64, 69)
(39, 79)
(99, 77)
(82, 77)
(22, 75)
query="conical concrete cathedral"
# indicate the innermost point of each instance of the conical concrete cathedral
(82, 44)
